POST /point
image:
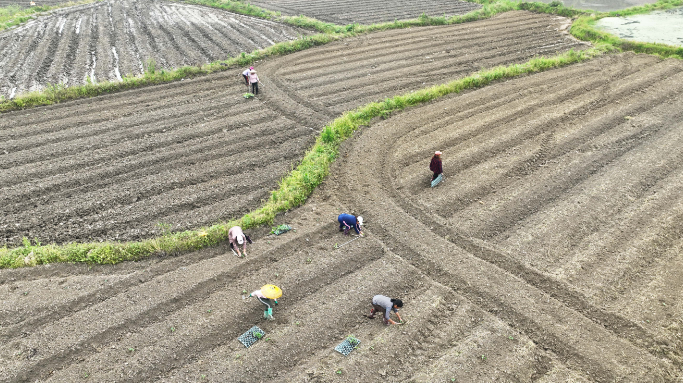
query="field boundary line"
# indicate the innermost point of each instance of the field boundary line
(293, 189)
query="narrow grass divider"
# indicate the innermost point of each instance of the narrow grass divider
(293, 190)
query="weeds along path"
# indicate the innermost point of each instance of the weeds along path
(558, 214)
(367, 12)
(195, 152)
(107, 40)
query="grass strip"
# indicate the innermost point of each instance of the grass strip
(13, 15)
(584, 29)
(293, 190)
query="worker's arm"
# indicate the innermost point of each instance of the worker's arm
(399, 317)
(244, 248)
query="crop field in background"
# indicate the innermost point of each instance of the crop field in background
(195, 152)
(110, 39)
(367, 11)
(556, 258)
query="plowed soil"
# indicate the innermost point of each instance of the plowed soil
(367, 11)
(195, 152)
(110, 39)
(550, 253)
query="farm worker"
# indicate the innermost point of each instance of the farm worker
(267, 295)
(385, 305)
(435, 165)
(348, 221)
(253, 80)
(245, 74)
(236, 238)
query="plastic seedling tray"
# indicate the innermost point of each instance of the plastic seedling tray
(346, 347)
(248, 338)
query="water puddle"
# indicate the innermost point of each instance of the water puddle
(657, 27)
(603, 5)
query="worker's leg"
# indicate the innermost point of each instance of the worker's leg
(246, 79)
(376, 309)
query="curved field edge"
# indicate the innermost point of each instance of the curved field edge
(329, 32)
(14, 15)
(293, 190)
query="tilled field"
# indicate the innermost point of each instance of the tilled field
(548, 254)
(195, 152)
(110, 39)
(367, 11)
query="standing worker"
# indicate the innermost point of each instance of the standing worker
(385, 305)
(435, 166)
(253, 80)
(236, 238)
(267, 295)
(348, 221)
(245, 74)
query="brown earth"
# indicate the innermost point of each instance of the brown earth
(107, 40)
(367, 11)
(195, 152)
(550, 253)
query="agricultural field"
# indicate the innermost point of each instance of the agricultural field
(27, 3)
(106, 40)
(368, 11)
(178, 156)
(548, 254)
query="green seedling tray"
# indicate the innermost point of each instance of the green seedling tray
(248, 338)
(345, 347)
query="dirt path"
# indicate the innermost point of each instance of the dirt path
(107, 40)
(367, 11)
(195, 152)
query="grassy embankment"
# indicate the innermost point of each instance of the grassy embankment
(300, 183)
(584, 28)
(13, 15)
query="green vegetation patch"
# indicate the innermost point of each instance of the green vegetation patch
(13, 15)
(293, 189)
(584, 28)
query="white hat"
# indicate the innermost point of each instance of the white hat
(360, 220)
(240, 239)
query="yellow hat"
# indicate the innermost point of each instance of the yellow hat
(271, 291)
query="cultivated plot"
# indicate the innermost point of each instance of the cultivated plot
(194, 152)
(106, 40)
(368, 11)
(484, 301)
(560, 211)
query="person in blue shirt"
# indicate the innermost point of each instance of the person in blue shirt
(349, 221)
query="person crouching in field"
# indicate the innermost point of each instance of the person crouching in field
(385, 305)
(253, 80)
(245, 74)
(435, 165)
(236, 238)
(348, 221)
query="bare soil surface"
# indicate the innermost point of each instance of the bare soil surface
(550, 253)
(367, 11)
(106, 40)
(195, 152)
(27, 3)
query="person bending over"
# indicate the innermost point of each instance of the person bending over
(385, 305)
(349, 221)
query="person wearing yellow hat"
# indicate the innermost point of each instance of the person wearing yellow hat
(267, 295)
